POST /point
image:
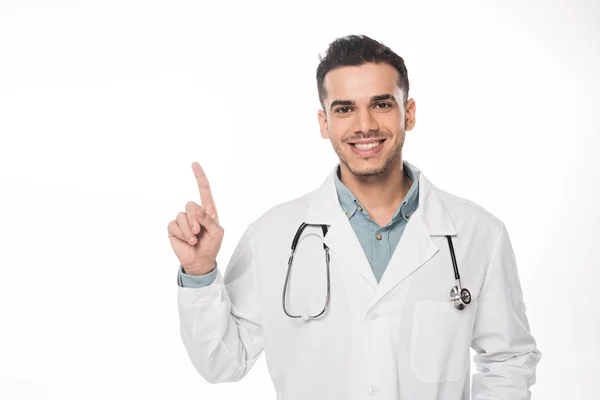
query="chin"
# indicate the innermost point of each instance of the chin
(367, 167)
(372, 171)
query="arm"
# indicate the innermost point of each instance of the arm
(507, 355)
(221, 323)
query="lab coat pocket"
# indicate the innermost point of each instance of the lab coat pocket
(440, 341)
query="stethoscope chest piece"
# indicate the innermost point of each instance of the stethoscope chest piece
(460, 297)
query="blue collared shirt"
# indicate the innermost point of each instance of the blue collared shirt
(377, 242)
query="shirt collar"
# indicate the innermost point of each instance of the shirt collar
(351, 205)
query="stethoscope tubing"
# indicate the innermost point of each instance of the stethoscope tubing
(459, 297)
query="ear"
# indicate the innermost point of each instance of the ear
(410, 115)
(323, 124)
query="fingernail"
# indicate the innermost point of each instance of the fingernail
(201, 213)
(191, 239)
(194, 227)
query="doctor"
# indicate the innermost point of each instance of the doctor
(381, 276)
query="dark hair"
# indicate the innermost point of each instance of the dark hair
(354, 50)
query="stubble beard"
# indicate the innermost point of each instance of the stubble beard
(374, 171)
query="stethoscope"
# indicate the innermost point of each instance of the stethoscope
(459, 296)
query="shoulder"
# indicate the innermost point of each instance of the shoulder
(468, 215)
(290, 212)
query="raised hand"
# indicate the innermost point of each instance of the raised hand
(195, 234)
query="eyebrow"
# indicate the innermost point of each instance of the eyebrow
(379, 97)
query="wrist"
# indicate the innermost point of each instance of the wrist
(199, 270)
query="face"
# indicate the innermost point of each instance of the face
(364, 104)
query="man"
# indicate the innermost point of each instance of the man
(367, 310)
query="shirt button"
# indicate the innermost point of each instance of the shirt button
(348, 214)
(360, 208)
(378, 236)
(406, 216)
(373, 390)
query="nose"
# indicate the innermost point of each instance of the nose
(366, 122)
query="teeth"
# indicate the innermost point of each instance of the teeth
(368, 146)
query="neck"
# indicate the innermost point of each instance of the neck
(380, 192)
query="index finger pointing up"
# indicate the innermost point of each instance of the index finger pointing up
(206, 197)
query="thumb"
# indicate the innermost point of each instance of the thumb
(213, 229)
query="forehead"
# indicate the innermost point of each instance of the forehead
(361, 82)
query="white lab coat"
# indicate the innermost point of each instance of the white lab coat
(397, 339)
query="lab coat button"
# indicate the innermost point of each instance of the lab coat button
(374, 316)
(373, 390)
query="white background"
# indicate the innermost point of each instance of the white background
(104, 106)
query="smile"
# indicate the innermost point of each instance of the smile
(366, 146)
(367, 149)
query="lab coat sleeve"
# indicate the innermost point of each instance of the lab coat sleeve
(196, 281)
(220, 324)
(507, 354)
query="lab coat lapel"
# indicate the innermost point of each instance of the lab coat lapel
(416, 247)
(341, 239)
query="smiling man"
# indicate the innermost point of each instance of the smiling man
(367, 130)
(390, 283)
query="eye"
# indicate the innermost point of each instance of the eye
(341, 108)
(386, 104)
